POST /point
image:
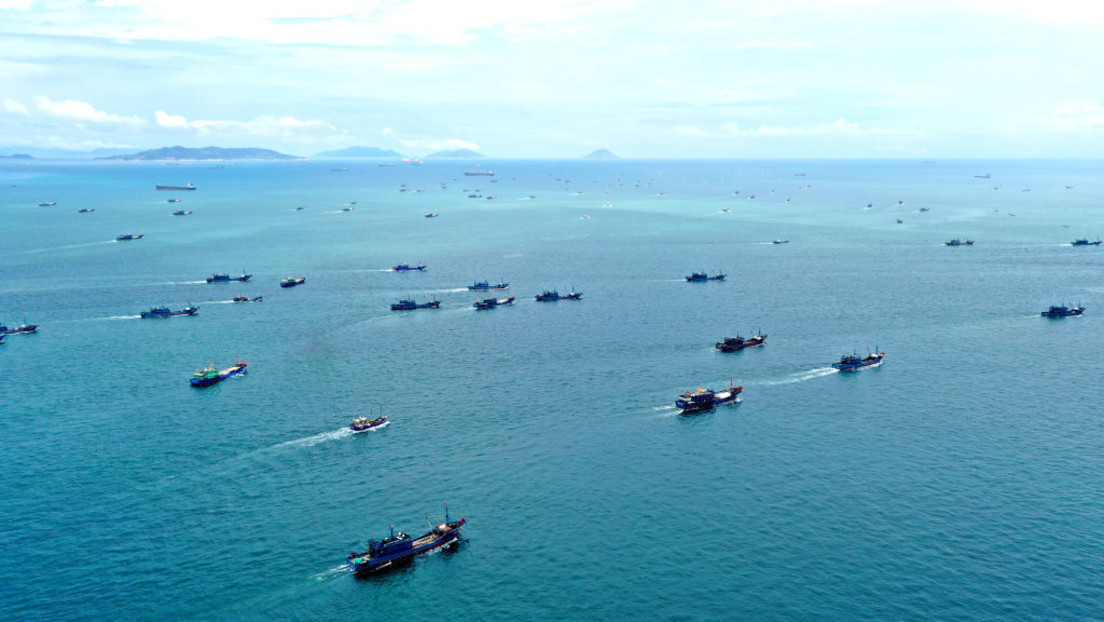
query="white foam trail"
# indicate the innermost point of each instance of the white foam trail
(120, 317)
(61, 248)
(803, 376)
(316, 439)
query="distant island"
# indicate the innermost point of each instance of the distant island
(206, 153)
(16, 156)
(601, 154)
(456, 154)
(359, 152)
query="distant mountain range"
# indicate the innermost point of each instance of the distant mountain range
(205, 153)
(456, 154)
(359, 152)
(16, 156)
(601, 154)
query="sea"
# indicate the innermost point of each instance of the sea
(963, 479)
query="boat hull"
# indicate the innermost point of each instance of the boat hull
(363, 564)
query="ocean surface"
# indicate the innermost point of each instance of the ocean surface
(961, 480)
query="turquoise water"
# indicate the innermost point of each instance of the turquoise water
(961, 480)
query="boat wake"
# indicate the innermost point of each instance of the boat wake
(310, 441)
(802, 376)
(69, 246)
(326, 575)
(119, 317)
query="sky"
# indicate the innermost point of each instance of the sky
(559, 78)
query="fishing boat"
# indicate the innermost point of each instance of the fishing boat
(164, 311)
(698, 277)
(407, 304)
(222, 277)
(780, 241)
(348, 209)
(188, 187)
(485, 285)
(1063, 311)
(432, 215)
(86, 210)
(1085, 242)
(182, 212)
(702, 400)
(408, 268)
(852, 361)
(363, 424)
(958, 242)
(22, 329)
(130, 236)
(210, 375)
(47, 203)
(174, 200)
(737, 343)
(552, 296)
(248, 299)
(399, 547)
(492, 302)
(292, 281)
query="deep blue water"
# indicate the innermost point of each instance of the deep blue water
(961, 480)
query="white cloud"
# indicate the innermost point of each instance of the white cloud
(690, 130)
(1079, 115)
(425, 144)
(264, 125)
(75, 110)
(838, 127)
(14, 107)
(173, 121)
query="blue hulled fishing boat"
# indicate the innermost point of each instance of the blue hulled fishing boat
(292, 281)
(163, 311)
(551, 295)
(485, 285)
(363, 424)
(698, 277)
(492, 302)
(400, 547)
(737, 343)
(849, 362)
(1063, 311)
(408, 268)
(408, 304)
(22, 329)
(1085, 242)
(210, 375)
(702, 400)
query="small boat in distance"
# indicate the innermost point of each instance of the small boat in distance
(849, 362)
(551, 295)
(492, 302)
(382, 554)
(958, 242)
(22, 329)
(182, 212)
(432, 215)
(1063, 311)
(698, 277)
(692, 402)
(222, 277)
(129, 236)
(408, 268)
(208, 376)
(174, 200)
(485, 285)
(164, 311)
(248, 299)
(86, 210)
(1085, 242)
(190, 186)
(408, 304)
(479, 173)
(292, 281)
(363, 424)
(925, 209)
(737, 343)
(780, 241)
(47, 203)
